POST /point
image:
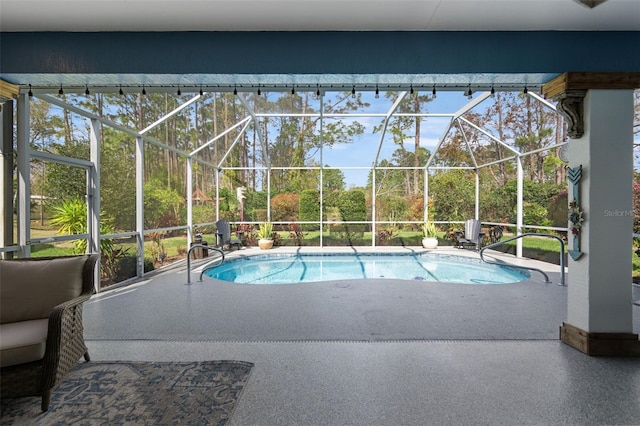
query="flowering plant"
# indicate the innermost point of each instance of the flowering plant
(575, 217)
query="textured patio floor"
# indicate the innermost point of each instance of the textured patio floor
(375, 352)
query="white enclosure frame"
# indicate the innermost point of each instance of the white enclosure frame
(25, 155)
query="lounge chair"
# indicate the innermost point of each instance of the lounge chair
(472, 235)
(41, 335)
(223, 235)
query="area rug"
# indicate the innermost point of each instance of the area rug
(138, 393)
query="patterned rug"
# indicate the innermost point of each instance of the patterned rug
(138, 393)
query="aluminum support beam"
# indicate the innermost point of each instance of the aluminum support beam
(109, 123)
(246, 122)
(467, 144)
(24, 173)
(519, 220)
(256, 124)
(218, 171)
(440, 141)
(489, 135)
(542, 100)
(140, 206)
(6, 176)
(388, 115)
(60, 159)
(477, 212)
(169, 115)
(189, 199)
(471, 105)
(321, 172)
(93, 196)
(426, 195)
(93, 188)
(209, 142)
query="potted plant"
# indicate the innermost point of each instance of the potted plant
(265, 232)
(430, 235)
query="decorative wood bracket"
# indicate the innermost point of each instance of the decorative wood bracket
(571, 106)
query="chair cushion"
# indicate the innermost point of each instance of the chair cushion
(22, 342)
(31, 288)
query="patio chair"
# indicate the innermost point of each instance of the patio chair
(41, 330)
(472, 235)
(223, 235)
(495, 234)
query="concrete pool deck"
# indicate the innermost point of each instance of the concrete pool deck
(375, 352)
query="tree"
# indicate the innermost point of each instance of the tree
(452, 193)
(400, 127)
(63, 181)
(297, 139)
(332, 179)
(161, 206)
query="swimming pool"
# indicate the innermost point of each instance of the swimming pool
(303, 268)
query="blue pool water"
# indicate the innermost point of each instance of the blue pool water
(302, 268)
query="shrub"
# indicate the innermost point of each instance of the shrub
(348, 232)
(558, 209)
(534, 214)
(284, 207)
(249, 234)
(126, 268)
(309, 206)
(353, 206)
(296, 233)
(384, 236)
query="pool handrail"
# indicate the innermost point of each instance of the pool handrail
(526, 234)
(202, 246)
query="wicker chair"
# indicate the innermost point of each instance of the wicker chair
(41, 322)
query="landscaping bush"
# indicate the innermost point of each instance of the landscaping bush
(348, 233)
(284, 207)
(353, 206)
(126, 268)
(309, 207)
(558, 209)
(534, 214)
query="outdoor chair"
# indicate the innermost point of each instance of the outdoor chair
(41, 331)
(495, 234)
(472, 235)
(223, 235)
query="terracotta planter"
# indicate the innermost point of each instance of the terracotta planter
(265, 243)
(430, 242)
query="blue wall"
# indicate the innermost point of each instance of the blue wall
(319, 52)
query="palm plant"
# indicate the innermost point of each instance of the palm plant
(71, 218)
(429, 230)
(266, 230)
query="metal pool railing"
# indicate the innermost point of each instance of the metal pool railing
(206, 266)
(526, 234)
